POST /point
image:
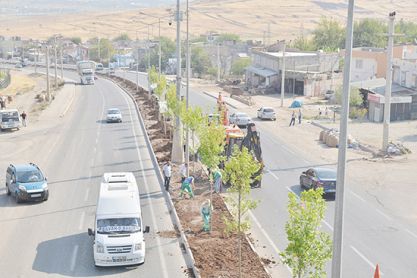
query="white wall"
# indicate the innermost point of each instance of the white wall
(363, 69)
(405, 73)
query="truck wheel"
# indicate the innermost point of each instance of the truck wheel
(17, 199)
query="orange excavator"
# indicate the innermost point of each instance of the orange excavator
(235, 136)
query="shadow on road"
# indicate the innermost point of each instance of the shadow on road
(70, 256)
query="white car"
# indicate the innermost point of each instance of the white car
(266, 113)
(240, 119)
(114, 115)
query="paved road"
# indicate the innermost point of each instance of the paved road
(372, 235)
(51, 238)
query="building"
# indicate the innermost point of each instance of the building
(405, 73)
(306, 73)
(403, 100)
(371, 62)
(10, 47)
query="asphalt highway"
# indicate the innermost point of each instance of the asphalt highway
(371, 234)
(50, 238)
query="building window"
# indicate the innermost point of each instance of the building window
(359, 64)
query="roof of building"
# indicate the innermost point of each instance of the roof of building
(396, 89)
(261, 71)
(290, 54)
(369, 84)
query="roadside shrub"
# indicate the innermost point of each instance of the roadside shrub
(358, 113)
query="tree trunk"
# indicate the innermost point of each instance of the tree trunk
(240, 236)
(211, 201)
(165, 124)
(192, 134)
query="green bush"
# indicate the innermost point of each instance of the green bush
(357, 113)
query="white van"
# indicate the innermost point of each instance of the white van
(118, 233)
(9, 119)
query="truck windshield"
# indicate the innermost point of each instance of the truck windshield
(29, 176)
(7, 116)
(118, 225)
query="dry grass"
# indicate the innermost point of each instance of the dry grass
(20, 84)
(248, 18)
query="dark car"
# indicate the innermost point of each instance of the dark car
(319, 177)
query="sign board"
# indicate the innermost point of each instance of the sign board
(381, 99)
(163, 107)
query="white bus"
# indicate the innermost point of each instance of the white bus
(118, 233)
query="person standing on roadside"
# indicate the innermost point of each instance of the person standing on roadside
(300, 116)
(167, 174)
(292, 118)
(183, 171)
(23, 115)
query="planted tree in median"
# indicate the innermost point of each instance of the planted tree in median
(238, 171)
(193, 119)
(309, 248)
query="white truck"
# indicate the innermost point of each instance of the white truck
(118, 233)
(86, 70)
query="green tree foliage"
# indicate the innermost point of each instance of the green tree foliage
(355, 98)
(408, 28)
(167, 51)
(228, 37)
(329, 35)
(370, 33)
(212, 139)
(238, 171)
(76, 40)
(308, 248)
(239, 66)
(193, 119)
(303, 43)
(200, 60)
(122, 37)
(153, 75)
(102, 46)
(172, 102)
(161, 87)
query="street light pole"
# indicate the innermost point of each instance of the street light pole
(62, 62)
(341, 162)
(283, 76)
(177, 146)
(218, 62)
(160, 48)
(187, 132)
(56, 66)
(388, 87)
(48, 89)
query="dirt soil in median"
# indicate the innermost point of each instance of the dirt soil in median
(215, 253)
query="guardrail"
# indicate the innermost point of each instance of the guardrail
(4, 78)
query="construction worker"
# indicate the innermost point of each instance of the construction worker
(206, 214)
(217, 177)
(187, 186)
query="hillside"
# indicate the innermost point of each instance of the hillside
(248, 18)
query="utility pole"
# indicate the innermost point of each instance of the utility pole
(177, 142)
(98, 49)
(160, 49)
(283, 75)
(55, 58)
(48, 87)
(187, 132)
(269, 33)
(341, 162)
(62, 61)
(149, 50)
(137, 72)
(36, 59)
(388, 87)
(218, 62)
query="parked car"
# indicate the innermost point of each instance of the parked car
(19, 65)
(26, 182)
(240, 119)
(114, 115)
(319, 177)
(266, 113)
(329, 94)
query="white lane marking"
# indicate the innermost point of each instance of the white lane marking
(86, 193)
(327, 224)
(272, 174)
(365, 258)
(357, 196)
(158, 240)
(80, 227)
(411, 233)
(383, 214)
(268, 238)
(290, 190)
(74, 257)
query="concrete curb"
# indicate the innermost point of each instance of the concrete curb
(184, 242)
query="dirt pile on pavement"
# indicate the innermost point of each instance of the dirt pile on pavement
(215, 253)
